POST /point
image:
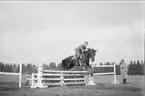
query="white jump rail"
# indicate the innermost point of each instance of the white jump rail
(61, 77)
(64, 71)
(115, 81)
(18, 74)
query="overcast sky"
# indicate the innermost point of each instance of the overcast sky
(39, 32)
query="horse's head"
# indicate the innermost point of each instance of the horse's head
(92, 54)
(89, 54)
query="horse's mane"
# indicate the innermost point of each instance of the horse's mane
(90, 50)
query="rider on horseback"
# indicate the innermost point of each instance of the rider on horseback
(79, 51)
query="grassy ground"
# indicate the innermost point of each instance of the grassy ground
(104, 87)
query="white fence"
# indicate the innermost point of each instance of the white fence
(45, 78)
(18, 74)
(61, 78)
(109, 73)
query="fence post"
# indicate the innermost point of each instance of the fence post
(39, 77)
(85, 79)
(61, 79)
(115, 80)
(20, 76)
(32, 81)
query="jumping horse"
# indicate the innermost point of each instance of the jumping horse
(88, 55)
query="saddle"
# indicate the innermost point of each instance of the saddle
(79, 60)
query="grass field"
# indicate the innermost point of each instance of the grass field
(135, 87)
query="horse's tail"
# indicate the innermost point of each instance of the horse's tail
(63, 64)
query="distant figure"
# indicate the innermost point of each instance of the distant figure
(124, 71)
(27, 82)
(79, 51)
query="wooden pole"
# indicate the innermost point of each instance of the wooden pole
(115, 80)
(20, 75)
(32, 81)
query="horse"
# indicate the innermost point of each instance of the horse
(70, 62)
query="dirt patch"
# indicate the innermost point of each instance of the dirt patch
(97, 90)
(103, 88)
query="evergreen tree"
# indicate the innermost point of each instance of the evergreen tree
(101, 63)
(138, 68)
(1, 67)
(107, 63)
(52, 65)
(14, 68)
(131, 68)
(29, 68)
(142, 67)
(34, 68)
(45, 66)
(59, 66)
(6, 68)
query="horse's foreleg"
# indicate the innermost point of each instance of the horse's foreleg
(90, 71)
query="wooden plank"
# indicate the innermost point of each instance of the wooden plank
(50, 78)
(62, 74)
(105, 66)
(107, 73)
(74, 79)
(73, 83)
(46, 74)
(58, 79)
(46, 84)
(8, 73)
(66, 83)
(73, 74)
(65, 71)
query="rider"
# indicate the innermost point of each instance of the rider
(79, 51)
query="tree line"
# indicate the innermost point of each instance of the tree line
(134, 67)
(26, 68)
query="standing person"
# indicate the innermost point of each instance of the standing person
(124, 71)
(79, 51)
(27, 80)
